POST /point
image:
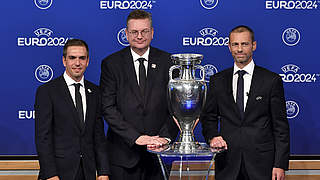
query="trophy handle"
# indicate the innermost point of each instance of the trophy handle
(202, 71)
(173, 68)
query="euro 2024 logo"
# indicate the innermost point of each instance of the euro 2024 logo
(209, 4)
(122, 37)
(291, 75)
(291, 36)
(208, 38)
(125, 5)
(43, 4)
(292, 109)
(43, 39)
(43, 73)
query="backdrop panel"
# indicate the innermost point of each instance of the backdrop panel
(34, 32)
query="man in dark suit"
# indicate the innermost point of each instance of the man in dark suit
(248, 102)
(134, 99)
(69, 131)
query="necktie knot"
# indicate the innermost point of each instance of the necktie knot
(241, 73)
(141, 60)
(77, 86)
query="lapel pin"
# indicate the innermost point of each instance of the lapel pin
(89, 90)
(258, 98)
(153, 66)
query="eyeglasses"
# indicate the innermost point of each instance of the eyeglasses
(135, 33)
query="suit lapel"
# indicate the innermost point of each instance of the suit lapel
(153, 66)
(90, 103)
(229, 79)
(254, 87)
(131, 73)
(64, 90)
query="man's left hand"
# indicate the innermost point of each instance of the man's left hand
(103, 178)
(278, 174)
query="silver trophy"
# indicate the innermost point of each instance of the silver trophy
(187, 95)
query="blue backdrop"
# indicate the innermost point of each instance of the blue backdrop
(34, 32)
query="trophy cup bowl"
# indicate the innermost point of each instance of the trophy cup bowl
(187, 95)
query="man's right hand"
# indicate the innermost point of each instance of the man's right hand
(218, 142)
(54, 178)
(154, 141)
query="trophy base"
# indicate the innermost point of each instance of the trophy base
(189, 148)
(178, 149)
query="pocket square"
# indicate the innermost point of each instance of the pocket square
(258, 98)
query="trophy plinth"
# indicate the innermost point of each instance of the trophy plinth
(186, 98)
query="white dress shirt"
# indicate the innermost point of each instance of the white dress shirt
(246, 81)
(136, 62)
(72, 90)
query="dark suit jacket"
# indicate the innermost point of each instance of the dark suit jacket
(128, 113)
(60, 141)
(261, 138)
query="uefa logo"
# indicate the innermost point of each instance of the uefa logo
(292, 109)
(122, 38)
(43, 4)
(43, 32)
(209, 4)
(291, 36)
(209, 71)
(43, 73)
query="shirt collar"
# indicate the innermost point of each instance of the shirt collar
(248, 68)
(137, 56)
(70, 81)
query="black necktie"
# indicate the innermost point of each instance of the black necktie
(79, 105)
(240, 91)
(142, 75)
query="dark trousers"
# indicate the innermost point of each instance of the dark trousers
(148, 168)
(243, 175)
(80, 174)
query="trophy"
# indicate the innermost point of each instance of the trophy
(187, 95)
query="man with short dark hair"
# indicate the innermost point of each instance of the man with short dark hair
(69, 132)
(134, 98)
(248, 102)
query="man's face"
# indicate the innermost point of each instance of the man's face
(76, 62)
(241, 47)
(139, 33)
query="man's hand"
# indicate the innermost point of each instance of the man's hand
(278, 174)
(218, 142)
(103, 178)
(54, 178)
(161, 142)
(145, 140)
(151, 141)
